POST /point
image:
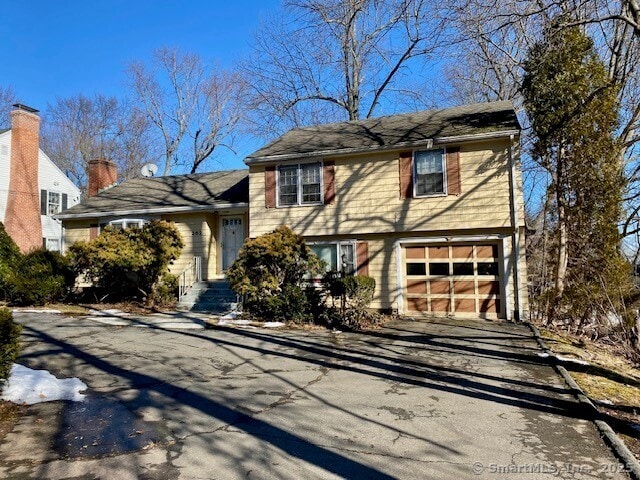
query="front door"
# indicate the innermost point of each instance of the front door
(232, 240)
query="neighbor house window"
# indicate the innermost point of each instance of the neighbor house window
(428, 172)
(54, 204)
(338, 256)
(300, 184)
(52, 244)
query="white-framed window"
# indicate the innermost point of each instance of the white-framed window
(300, 184)
(122, 223)
(339, 256)
(54, 203)
(53, 244)
(429, 172)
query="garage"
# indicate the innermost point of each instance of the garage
(459, 279)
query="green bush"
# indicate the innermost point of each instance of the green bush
(353, 294)
(129, 263)
(39, 277)
(9, 343)
(9, 255)
(165, 293)
(270, 274)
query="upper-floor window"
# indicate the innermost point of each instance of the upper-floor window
(429, 172)
(54, 203)
(300, 184)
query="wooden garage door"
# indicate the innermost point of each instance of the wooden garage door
(453, 279)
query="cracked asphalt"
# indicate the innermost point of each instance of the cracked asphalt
(443, 399)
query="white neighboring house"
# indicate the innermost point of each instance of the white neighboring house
(57, 192)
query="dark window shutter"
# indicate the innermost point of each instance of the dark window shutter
(44, 243)
(65, 198)
(43, 202)
(406, 175)
(453, 171)
(93, 231)
(362, 254)
(270, 187)
(329, 174)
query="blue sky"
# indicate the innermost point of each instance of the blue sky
(58, 49)
(51, 49)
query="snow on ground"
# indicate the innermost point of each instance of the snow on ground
(565, 359)
(273, 324)
(35, 386)
(231, 321)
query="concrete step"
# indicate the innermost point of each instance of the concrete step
(210, 307)
(213, 296)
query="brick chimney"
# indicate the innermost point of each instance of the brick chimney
(22, 215)
(102, 175)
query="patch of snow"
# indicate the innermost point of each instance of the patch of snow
(112, 312)
(225, 321)
(572, 360)
(110, 321)
(560, 358)
(230, 316)
(273, 324)
(36, 310)
(605, 402)
(35, 386)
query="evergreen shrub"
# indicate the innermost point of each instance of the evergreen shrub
(9, 343)
(9, 255)
(130, 263)
(272, 272)
(39, 277)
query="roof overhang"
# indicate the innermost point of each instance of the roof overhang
(427, 143)
(151, 211)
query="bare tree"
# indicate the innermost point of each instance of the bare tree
(182, 96)
(79, 129)
(327, 60)
(219, 109)
(7, 99)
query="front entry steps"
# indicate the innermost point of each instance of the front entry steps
(213, 296)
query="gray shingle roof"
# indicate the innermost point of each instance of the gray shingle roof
(165, 194)
(399, 131)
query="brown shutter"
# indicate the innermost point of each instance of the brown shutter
(329, 177)
(362, 254)
(270, 187)
(93, 231)
(453, 171)
(406, 175)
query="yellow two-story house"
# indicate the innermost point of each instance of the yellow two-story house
(429, 204)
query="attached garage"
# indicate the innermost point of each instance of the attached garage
(462, 279)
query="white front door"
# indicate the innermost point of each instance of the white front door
(232, 240)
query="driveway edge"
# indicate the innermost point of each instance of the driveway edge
(611, 438)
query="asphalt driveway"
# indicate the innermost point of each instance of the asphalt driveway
(439, 399)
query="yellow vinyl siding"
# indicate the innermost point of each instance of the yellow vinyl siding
(77, 231)
(198, 231)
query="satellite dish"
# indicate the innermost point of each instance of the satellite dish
(149, 169)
